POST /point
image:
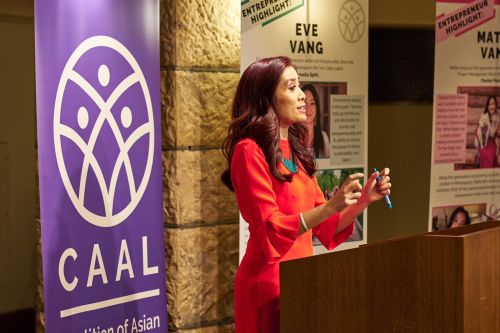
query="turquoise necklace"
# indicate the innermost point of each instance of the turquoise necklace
(290, 164)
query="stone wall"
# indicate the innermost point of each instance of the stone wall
(200, 52)
(200, 69)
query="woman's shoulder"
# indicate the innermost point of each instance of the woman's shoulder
(247, 144)
(247, 153)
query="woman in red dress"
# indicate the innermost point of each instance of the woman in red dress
(273, 177)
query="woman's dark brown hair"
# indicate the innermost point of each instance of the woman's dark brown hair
(253, 117)
(318, 141)
(487, 106)
(456, 212)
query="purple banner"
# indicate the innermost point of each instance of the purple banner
(99, 153)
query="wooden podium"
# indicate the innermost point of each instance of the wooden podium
(446, 281)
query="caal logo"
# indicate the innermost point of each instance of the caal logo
(352, 21)
(103, 115)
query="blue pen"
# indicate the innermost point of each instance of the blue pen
(385, 196)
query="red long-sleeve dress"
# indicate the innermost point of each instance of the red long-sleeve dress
(272, 209)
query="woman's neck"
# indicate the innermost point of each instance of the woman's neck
(284, 133)
(310, 133)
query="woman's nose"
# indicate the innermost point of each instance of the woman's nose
(301, 96)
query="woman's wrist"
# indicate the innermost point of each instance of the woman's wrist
(364, 201)
(330, 208)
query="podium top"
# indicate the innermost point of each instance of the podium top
(465, 231)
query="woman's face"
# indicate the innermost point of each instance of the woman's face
(459, 220)
(310, 108)
(289, 99)
(492, 106)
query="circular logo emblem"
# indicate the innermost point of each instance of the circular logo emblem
(102, 115)
(352, 21)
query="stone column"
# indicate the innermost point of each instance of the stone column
(200, 69)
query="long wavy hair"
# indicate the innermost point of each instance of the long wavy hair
(318, 142)
(487, 106)
(253, 116)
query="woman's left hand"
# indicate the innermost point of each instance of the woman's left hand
(374, 190)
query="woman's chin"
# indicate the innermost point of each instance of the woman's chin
(302, 118)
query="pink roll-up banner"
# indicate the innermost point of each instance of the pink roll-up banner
(99, 153)
(465, 163)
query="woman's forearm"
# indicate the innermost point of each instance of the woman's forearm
(320, 213)
(479, 136)
(350, 213)
(316, 216)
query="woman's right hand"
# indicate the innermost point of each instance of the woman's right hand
(348, 194)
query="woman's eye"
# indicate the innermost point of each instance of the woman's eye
(292, 88)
